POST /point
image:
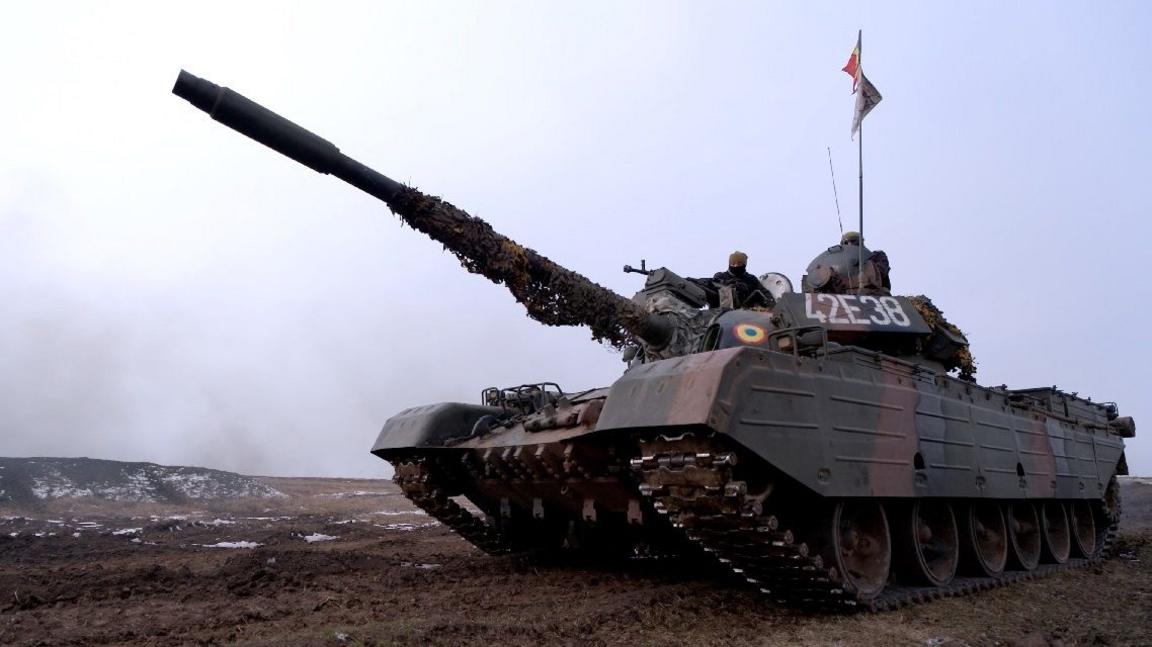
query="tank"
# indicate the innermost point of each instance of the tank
(833, 451)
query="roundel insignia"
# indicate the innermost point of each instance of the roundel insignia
(750, 333)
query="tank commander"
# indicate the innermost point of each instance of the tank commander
(874, 277)
(747, 291)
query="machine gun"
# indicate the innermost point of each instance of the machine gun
(628, 269)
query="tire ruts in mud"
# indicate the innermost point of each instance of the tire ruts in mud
(417, 479)
(753, 548)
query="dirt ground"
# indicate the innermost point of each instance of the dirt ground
(350, 562)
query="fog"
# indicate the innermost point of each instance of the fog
(174, 292)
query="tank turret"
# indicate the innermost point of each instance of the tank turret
(847, 268)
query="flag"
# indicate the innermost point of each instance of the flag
(853, 66)
(867, 96)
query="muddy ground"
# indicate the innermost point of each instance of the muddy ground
(350, 562)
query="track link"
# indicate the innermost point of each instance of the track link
(423, 482)
(691, 479)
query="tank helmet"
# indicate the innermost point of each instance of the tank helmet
(737, 259)
(850, 238)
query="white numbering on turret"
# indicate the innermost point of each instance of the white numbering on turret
(850, 309)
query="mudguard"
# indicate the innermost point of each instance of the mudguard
(430, 425)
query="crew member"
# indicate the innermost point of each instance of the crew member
(748, 292)
(874, 277)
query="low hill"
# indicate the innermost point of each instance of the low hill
(1136, 496)
(33, 481)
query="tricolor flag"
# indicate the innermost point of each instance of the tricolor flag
(867, 96)
(853, 66)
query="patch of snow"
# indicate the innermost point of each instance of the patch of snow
(406, 527)
(199, 485)
(397, 513)
(314, 537)
(84, 525)
(54, 485)
(13, 534)
(136, 540)
(51, 484)
(127, 531)
(75, 534)
(145, 483)
(232, 544)
(214, 522)
(356, 493)
(280, 518)
(420, 565)
(55, 521)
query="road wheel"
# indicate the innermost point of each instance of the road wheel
(985, 539)
(927, 543)
(1023, 535)
(861, 547)
(1083, 527)
(1057, 536)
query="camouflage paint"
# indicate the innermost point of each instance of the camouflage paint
(855, 423)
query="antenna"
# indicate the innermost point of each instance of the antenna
(834, 195)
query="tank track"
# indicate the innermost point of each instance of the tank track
(424, 483)
(693, 484)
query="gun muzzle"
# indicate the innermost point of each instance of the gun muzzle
(254, 120)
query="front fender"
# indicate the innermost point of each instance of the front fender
(429, 425)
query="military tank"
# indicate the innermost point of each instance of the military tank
(819, 450)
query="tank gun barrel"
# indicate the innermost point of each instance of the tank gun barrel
(551, 293)
(254, 120)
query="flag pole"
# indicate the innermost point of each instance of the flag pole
(860, 160)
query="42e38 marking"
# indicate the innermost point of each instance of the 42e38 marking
(851, 309)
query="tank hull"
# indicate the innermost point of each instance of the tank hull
(769, 452)
(856, 423)
(851, 424)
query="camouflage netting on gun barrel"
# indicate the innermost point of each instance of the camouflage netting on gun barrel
(963, 359)
(552, 294)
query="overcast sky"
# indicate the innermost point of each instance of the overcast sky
(174, 292)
